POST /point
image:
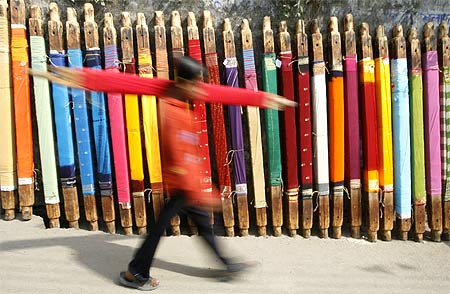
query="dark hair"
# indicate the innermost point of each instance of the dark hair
(189, 69)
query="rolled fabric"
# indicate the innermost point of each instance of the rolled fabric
(401, 137)
(101, 129)
(240, 178)
(417, 136)
(445, 93)
(431, 121)
(352, 130)
(369, 124)
(63, 123)
(271, 121)
(118, 137)
(320, 131)
(82, 129)
(384, 123)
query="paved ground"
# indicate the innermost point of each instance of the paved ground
(38, 260)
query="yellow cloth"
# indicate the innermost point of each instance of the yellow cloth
(150, 117)
(384, 123)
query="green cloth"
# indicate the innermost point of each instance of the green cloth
(417, 139)
(272, 123)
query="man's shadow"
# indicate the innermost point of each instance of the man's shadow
(100, 254)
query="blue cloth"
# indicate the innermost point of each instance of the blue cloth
(82, 129)
(63, 122)
(401, 138)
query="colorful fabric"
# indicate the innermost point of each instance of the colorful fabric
(118, 137)
(305, 152)
(336, 128)
(445, 113)
(237, 140)
(320, 131)
(63, 123)
(351, 115)
(82, 129)
(8, 175)
(289, 132)
(384, 123)
(22, 105)
(401, 138)
(150, 117)
(431, 122)
(369, 124)
(219, 132)
(254, 123)
(101, 129)
(271, 121)
(417, 137)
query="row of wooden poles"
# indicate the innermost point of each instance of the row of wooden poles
(382, 99)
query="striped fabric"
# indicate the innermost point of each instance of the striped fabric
(445, 126)
(401, 138)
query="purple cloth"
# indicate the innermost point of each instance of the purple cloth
(432, 122)
(236, 130)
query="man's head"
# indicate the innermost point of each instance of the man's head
(189, 73)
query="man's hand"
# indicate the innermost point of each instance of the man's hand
(274, 101)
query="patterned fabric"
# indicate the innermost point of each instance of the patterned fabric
(445, 95)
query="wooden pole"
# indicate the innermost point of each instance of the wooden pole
(336, 117)
(91, 39)
(133, 127)
(254, 131)
(353, 180)
(22, 108)
(402, 177)
(219, 131)
(242, 204)
(444, 63)
(417, 133)
(73, 42)
(176, 33)
(304, 140)
(162, 72)
(8, 158)
(385, 151)
(110, 39)
(55, 29)
(431, 97)
(320, 160)
(370, 144)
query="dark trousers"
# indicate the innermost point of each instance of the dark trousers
(143, 258)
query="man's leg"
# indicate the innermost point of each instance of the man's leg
(205, 229)
(143, 258)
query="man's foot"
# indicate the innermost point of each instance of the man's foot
(137, 281)
(240, 266)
